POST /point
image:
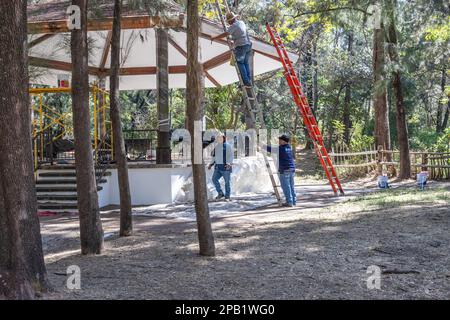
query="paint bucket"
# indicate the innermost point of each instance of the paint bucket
(63, 81)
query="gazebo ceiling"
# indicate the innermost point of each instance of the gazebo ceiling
(50, 50)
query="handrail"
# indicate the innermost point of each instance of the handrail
(101, 164)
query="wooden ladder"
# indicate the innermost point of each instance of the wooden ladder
(251, 103)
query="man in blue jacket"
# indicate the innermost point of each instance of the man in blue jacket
(223, 160)
(286, 170)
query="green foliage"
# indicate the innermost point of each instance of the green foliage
(443, 142)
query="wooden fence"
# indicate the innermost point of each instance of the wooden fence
(436, 163)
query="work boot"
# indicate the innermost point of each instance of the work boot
(220, 196)
(289, 205)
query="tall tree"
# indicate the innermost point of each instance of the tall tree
(126, 223)
(402, 128)
(22, 268)
(442, 123)
(380, 106)
(348, 94)
(195, 114)
(91, 231)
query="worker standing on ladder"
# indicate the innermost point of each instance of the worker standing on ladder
(242, 45)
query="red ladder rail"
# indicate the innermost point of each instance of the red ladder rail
(305, 111)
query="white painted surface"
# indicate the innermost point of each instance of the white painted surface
(147, 185)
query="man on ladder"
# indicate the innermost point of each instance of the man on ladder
(242, 45)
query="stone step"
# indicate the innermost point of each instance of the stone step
(63, 174)
(70, 206)
(55, 188)
(61, 181)
(58, 167)
(57, 197)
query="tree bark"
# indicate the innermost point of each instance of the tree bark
(102, 116)
(402, 128)
(194, 114)
(163, 153)
(446, 116)
(91, 232)
(380, 106)
(439, 122)
(348, 95)
(22, 268)
(126, 220)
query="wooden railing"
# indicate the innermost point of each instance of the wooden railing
(436, 163)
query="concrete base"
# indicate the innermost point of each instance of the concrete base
(149, 184)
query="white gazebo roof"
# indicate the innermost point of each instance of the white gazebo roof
(49, 42)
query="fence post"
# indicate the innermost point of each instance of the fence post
(424, 161)
(380, 160)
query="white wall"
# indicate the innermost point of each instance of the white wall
(147, 186)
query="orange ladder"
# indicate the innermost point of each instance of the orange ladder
(305, 111)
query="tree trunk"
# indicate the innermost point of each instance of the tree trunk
(348, 95)
(315, 104)
(194, 115)
(22, 268)
(126, 221)
(91, 232)
(163, 153)
(446, 116)
(102, 116)
(382, 130)
(402, 128)
(439, 122)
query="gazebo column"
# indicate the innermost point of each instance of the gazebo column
(163, 152)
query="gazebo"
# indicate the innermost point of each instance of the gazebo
(153, 57)
(144, 38)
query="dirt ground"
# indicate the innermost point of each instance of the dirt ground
(319, 250)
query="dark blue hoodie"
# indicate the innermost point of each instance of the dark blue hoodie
(285, 159)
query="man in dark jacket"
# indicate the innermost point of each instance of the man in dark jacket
(286, 169)
(223, 161)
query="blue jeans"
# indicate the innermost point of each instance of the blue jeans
(226, 175)
(243, 54)
(288, 186)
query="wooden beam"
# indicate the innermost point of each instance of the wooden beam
(58, 65)
(143, 71)
(211, 78)
(268, 55)
(217, 60)
(39, 40)
(177, 47)
(130, 22)
(106, 49)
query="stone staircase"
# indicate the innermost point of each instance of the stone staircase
(56, 188)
